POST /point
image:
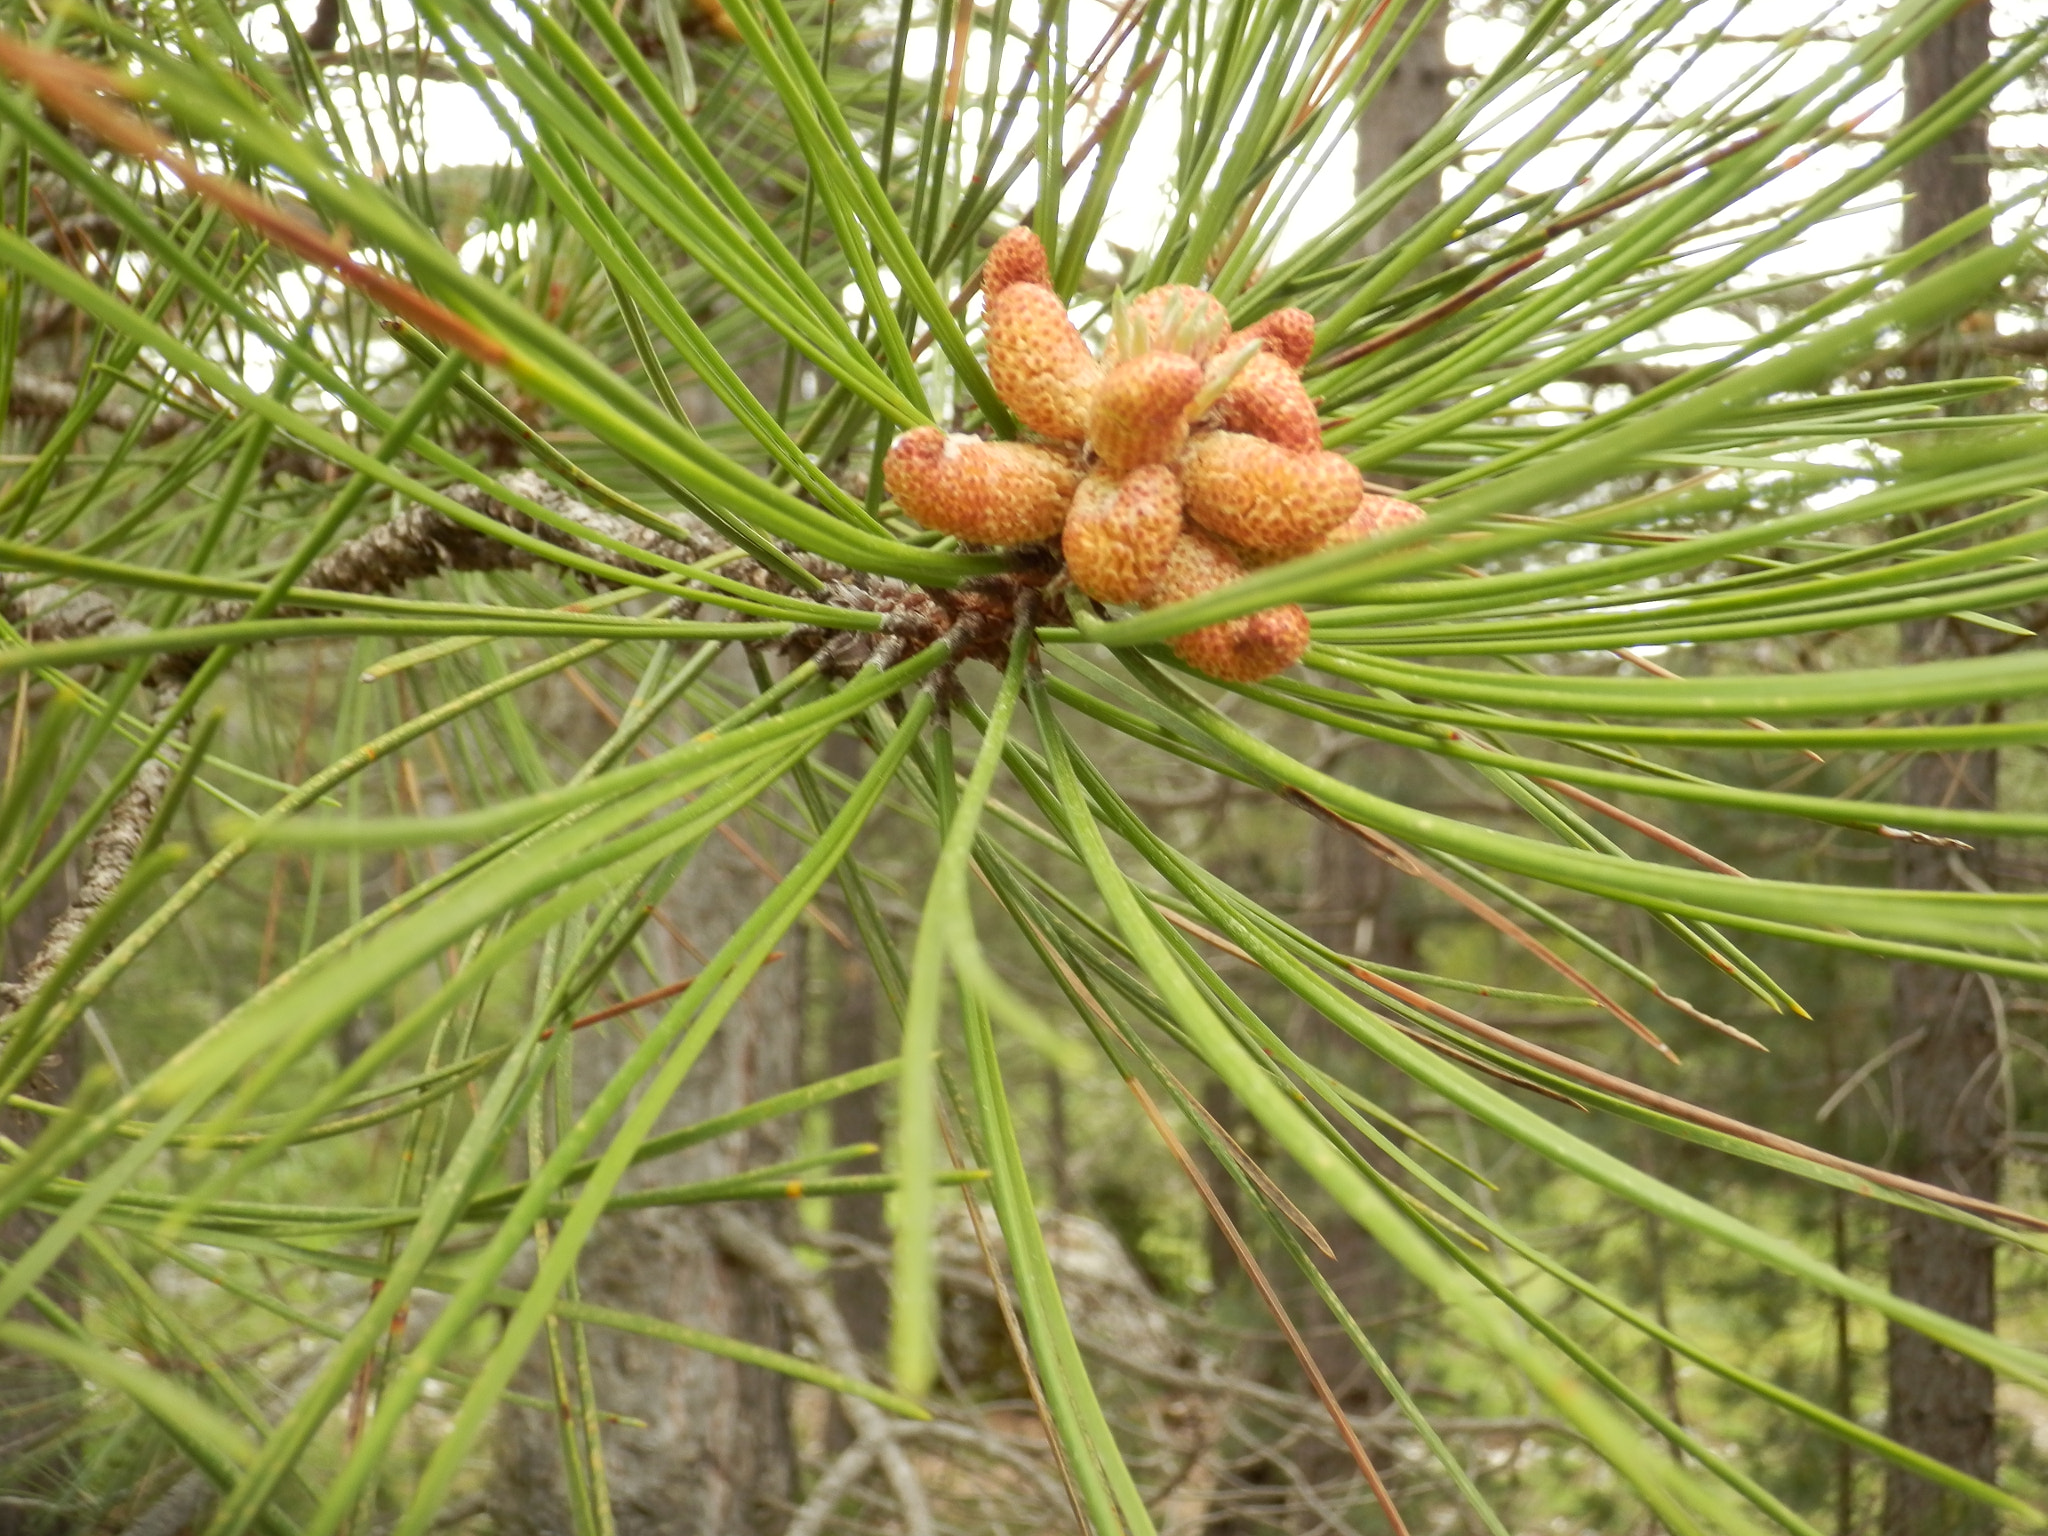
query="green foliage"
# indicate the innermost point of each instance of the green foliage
(645, 376)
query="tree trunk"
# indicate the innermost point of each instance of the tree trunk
(1953, 179)
(853, 1025)
(40, 1401)
(1951, 1134)
(1951, 1128)
(717, 1457)
(1416, 94)
(861, 1290)
(1350, 907)
(853, 1017)
(1349, 896)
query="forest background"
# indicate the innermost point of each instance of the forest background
(188, 1345)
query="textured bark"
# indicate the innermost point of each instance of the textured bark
(717, 1457)
(50, 397)
(860, 1289)
(42, 395)
(749, 1242)
(1947, 1084)
(419, 542)
(109, 854)
(38, 1398)
(1350, 908)
(1953, 179)
(1951, 1133)
(324, 31)
(853, 1019)
(1348, 895)
(1415, 95)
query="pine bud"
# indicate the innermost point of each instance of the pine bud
(1247, 649)
(1289, 334)
(1138, 415)
(1267, 400)
(1197, 564)
(1038, 362)
(1119, 533)
(1263, 497)
(1175, 318)
(983, 492)
(1374, 515)
(1017, 257)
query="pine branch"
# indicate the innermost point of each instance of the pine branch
(36, 395)
(43, 397)
(109, 855)
(419, 543)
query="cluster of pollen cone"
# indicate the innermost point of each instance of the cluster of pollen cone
(1183, 457)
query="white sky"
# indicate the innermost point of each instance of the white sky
(459, 129)
(1476, 43)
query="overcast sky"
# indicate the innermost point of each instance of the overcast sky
(460, 129)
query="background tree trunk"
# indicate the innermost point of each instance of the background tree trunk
(1416, 94)
(854, 1022)
(717, 1457)
(1350, 900)
(1948, 1080)
(39, 1400)
(853, 1025)
(1350, 906)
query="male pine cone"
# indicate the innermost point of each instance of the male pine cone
(1184, 457)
